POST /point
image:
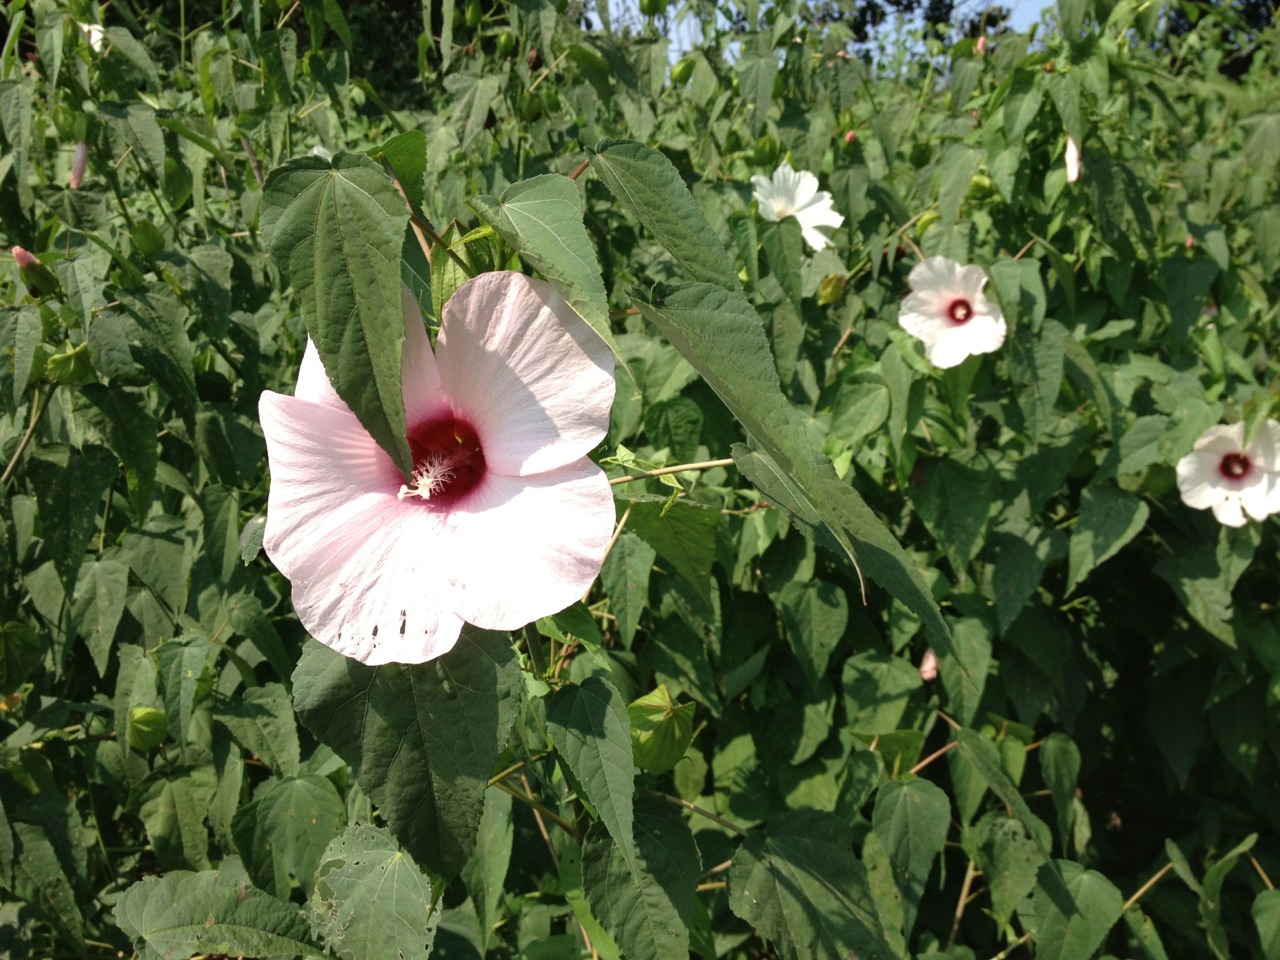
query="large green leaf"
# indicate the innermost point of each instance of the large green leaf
(261, 720)
(336, 229)
(814, 615)
(800, 885)
(1074, 909)
(719, 332)
(284, 831)
(69, 485)
(589, 726)
(1008, 857)
(422, 739)
(542, 219)
(649, 910)
(40, 879)
(911, 818)
(183, 914)
(371, 900)
(1109, 518)
(648, 185)
(173, 806)
(682, 533)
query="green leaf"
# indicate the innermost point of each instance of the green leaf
(173, 806)
(1009, 858)
(1187, 282)
(20, 336)
(784, 247)
(261, 720)
(1211, 897)
(40, 879)
(571, 884)
(181, 668)
(122, 417)
(486, 872)
(980, 753)
(757, 67)
(154, 322)
(661, 730)
(911, 818)
(284, 831)
(1020, 289)
(954, 503)
(406, 154)
(1266, 916)
(721, 335)
(336, 230)
(69, 485)
(371, 899)
(1060, 766)
(1036, 362)
(877, 692)
(684, 535)
(589, 726)
(422, 740)
(185, 914)
(1109, 519)
(21, 650)
(798, 883)
(542, 219)
(649, 186)
(814, 615)
(649, 906)
(1074, 909)
(625, 577)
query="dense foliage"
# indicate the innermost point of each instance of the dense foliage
(729, 748)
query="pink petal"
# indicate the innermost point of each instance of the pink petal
(357, 557)
(527, 547)
(525, 371)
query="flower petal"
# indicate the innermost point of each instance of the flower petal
(804, 189)
(1229, 511)
(533, 545)
(358, 558)
(936, 274)
(526, 371)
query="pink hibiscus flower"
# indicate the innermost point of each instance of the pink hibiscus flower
(505, 519)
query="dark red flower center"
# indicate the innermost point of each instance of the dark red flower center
(960, 311)
(447, 460)
(1234, 466)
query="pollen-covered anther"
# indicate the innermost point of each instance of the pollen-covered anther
(431, 474)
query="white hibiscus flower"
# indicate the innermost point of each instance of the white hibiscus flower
(1235, 481)
(795, 193)
(948, 312)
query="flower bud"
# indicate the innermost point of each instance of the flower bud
(929, 666)
(79, 165)
(981, 46)
(1190, 242)
(25, 259)
(849, 137)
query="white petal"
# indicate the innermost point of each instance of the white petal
(937, 274)
(357, 557)
(928, 326)
(530, 546)
(1222, 439)
(971, 279)
(526, 371)
(816, 239)
(765, 196)
(1197, 475)
(805, 189)
(1228, 511)
(1262, 498)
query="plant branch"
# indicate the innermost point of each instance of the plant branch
(37, 408)
(1147, 886)
(421, 223)
(539, 811)
(694, 808)
(971, 872)
(934, 756)
(678, 468)
(1003, 954)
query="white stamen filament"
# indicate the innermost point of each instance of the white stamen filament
(431, 475)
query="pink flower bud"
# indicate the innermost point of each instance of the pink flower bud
(79, 165)
(1190, 242)
(850, 136)
(24, 258)
(929, 666)
(981, 46)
